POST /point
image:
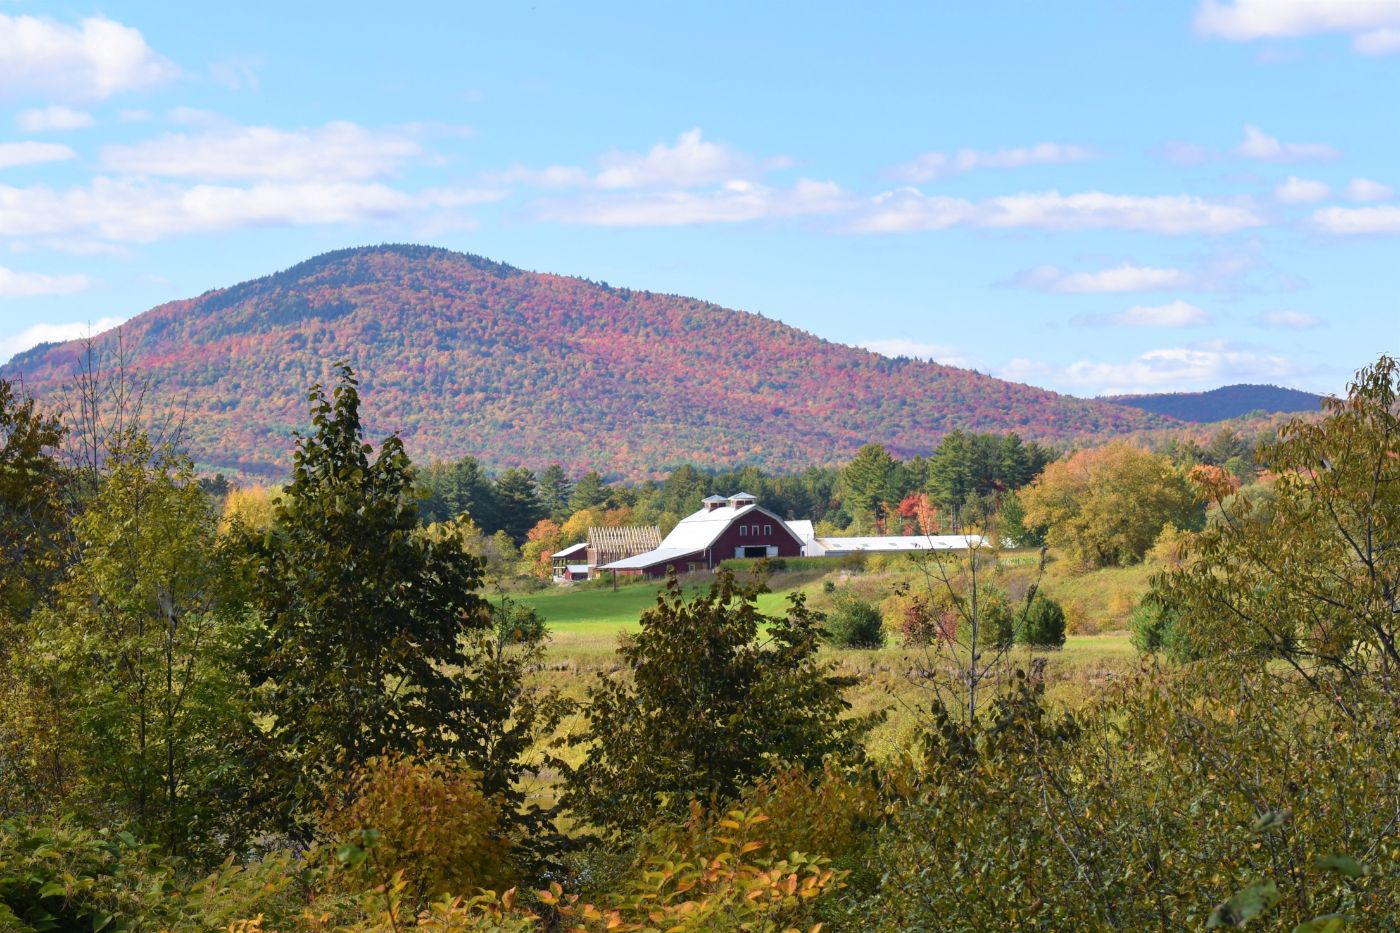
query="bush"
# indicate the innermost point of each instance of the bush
(1042, 624)
(430, 821)
(1157, 629)
(995, 622)
(854, 623)
(518, 624)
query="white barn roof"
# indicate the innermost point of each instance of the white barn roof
(896, 544)
(571, 550)
(698, 530)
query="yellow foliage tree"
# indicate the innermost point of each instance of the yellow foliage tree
(1108, 505)
(250, 505)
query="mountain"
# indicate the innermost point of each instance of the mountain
(462, 355)
(1219, 404)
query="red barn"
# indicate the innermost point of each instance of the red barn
(723, 529)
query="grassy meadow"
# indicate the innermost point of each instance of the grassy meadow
(585, 622)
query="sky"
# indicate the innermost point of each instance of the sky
(1095, 196)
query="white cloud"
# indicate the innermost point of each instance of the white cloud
(53, 117)
(1174, 314)
(1290, 320)
(1301, 190)
(91, 61)
(691, 161)
(911, 210)
(52, 333)
(32, 153)
(1260, 145)
(1094, 210)
(1243, 20)
(1204, 365)
(931, 165)
(338, 151)
(1377, 42)
(935, 352)
(1363, 189)
(1121, 278)
(733, 202)
(28, 284)
(1358, 220)
(553, 176)
(132, 210)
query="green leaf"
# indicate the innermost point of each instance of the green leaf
(350, 855)
(1271, 820)
(1327, 923)
(1342, 865)
(1244, 906)
(100, 921)
(52, 889)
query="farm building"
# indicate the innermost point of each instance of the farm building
(891, 544)
(606, 545)
(724, 528)
(571, 563)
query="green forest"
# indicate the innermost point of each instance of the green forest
(348, 701)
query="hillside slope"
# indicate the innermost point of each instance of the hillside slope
(1225, 402)
(466, 356)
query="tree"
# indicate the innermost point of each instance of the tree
(541, 542)
(870, 481)
(716, 693)
(460, 488)
(555, 490)
(1315, 584)
(363, 618)
(140, 649)
(1106, 506)
(589, 492)
(518, 501)
(31, 507)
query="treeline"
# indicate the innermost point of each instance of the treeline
(964, 477)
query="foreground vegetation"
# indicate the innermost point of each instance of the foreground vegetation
(336, 718)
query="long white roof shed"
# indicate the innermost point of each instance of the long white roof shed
(892, 544)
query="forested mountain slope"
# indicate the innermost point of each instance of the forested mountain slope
(1225, 402)
(462, 355)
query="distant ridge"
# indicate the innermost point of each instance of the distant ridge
(1233, 401)
(462, 355)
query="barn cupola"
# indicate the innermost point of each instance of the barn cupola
(710, 503)
(742, 500)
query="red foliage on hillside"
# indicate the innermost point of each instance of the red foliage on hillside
(461, 355)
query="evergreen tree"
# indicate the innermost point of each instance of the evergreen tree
(518, 499)
(363, 617)
(555, 490)
(589, 492)
(716, 693)
(870, 480)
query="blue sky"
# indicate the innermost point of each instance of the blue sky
(1095, 196)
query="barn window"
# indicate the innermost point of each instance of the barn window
(743, 531)
(768, 529)
(755, 531)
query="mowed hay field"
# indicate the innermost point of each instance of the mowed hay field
(585, 623)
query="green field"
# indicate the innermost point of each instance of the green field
(584, 623)
(579, 616)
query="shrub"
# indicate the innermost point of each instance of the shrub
(854, 623)
(1042, 624)
(995, 622)
(518, 624)
(1157, 629)
(431, 821)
